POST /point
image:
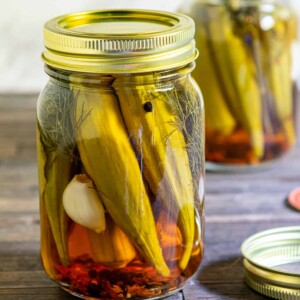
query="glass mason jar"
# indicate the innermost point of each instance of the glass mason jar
(120, 133)
(245, 74)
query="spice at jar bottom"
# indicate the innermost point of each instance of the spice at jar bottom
(245, 74)
(120, 155)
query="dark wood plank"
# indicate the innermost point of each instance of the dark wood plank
(41, 293)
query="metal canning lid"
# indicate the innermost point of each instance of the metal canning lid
(119, 41)
(272, 262)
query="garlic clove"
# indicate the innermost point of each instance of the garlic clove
(112, 248)
(83, 205)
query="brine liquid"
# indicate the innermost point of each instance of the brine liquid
(86, 277)
(236, 148)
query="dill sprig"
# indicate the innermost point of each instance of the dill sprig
(190, 121)
(57, 120)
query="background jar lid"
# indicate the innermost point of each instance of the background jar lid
(272, 262)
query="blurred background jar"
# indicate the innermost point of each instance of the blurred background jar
(245, 71)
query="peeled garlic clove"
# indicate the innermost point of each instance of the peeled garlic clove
(112, 247)
(82, 204)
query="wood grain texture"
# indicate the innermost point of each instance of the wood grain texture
(237, 206)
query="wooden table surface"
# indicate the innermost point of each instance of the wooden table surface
(237, 206)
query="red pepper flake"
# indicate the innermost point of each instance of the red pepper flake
(87, 277)
(294, 198)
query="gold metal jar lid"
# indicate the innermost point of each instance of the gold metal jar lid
(272, 262)
(119, 41)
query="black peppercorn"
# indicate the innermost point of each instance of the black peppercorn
(148, 107)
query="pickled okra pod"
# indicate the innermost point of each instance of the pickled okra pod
(59, 172)
(150, 120)
(218, 117)
(58, 162)
(277, 44)
(47, 240)
(106, 154)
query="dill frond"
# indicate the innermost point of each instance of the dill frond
(189, 119)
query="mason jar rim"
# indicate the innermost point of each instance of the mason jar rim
(119, 41)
